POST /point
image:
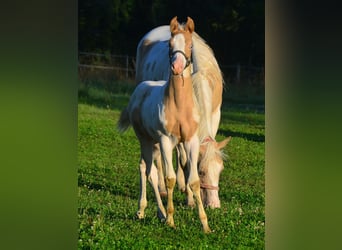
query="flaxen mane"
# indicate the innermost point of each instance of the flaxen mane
(206, 78)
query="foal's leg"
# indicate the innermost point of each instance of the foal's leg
(161, 180)
(183, 175)
(181, 162)
(166, 151)
(189, 196)
(151, 172)
(142, 199)
(192, 150)
(153, 179)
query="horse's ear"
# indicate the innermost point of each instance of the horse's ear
(174, 25)
(223, 143)
(190, 25)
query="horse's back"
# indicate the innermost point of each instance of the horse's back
(152, 62)
(145, 89)
(145, 107)
(160, 33)
(152, 55)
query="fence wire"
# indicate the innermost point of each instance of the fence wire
(108, 67)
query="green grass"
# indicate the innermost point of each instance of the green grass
(108, 184)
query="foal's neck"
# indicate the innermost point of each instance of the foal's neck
(180, 111)
(180, 87)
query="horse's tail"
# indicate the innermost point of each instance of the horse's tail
(124, 122)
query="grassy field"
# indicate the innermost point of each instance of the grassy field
(108, 183)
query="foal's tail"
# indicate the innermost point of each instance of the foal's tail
(123, 123)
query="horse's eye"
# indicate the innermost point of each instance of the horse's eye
(201, 173)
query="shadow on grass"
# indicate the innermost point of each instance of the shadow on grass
(120, 190)
(247, 136)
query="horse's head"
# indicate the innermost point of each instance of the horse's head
(210, 168)
(180, 45)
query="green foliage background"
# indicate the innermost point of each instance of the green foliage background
(234, 29)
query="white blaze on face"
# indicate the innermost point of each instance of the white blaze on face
(178, 60)
(209, 177)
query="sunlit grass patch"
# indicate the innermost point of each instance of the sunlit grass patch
(108, 185)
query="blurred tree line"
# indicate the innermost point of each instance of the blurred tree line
(234, 29)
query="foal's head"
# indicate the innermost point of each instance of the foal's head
(210, 167)
(180, 45)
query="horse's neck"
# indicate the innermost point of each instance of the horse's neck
(180, 89)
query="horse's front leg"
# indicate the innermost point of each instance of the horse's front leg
(192, 150)
(181, 164)
(183, 174)
(170, 176)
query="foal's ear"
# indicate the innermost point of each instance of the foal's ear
(190, 25)
(223, 143)
(174, 25)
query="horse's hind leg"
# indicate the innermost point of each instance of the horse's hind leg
(144, 167)
(142, 199)
(152, 174)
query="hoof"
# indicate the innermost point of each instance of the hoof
(171, 225)
(161, 215)
(182, 188)
(207, 230)
(170, 222)
(140, 215)
(190, 203)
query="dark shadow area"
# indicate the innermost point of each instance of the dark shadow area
(228, 118)
(247, 136)
(121, 190)
(244, 107)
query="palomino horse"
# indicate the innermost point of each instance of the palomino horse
(164, 112)
(153, 64)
